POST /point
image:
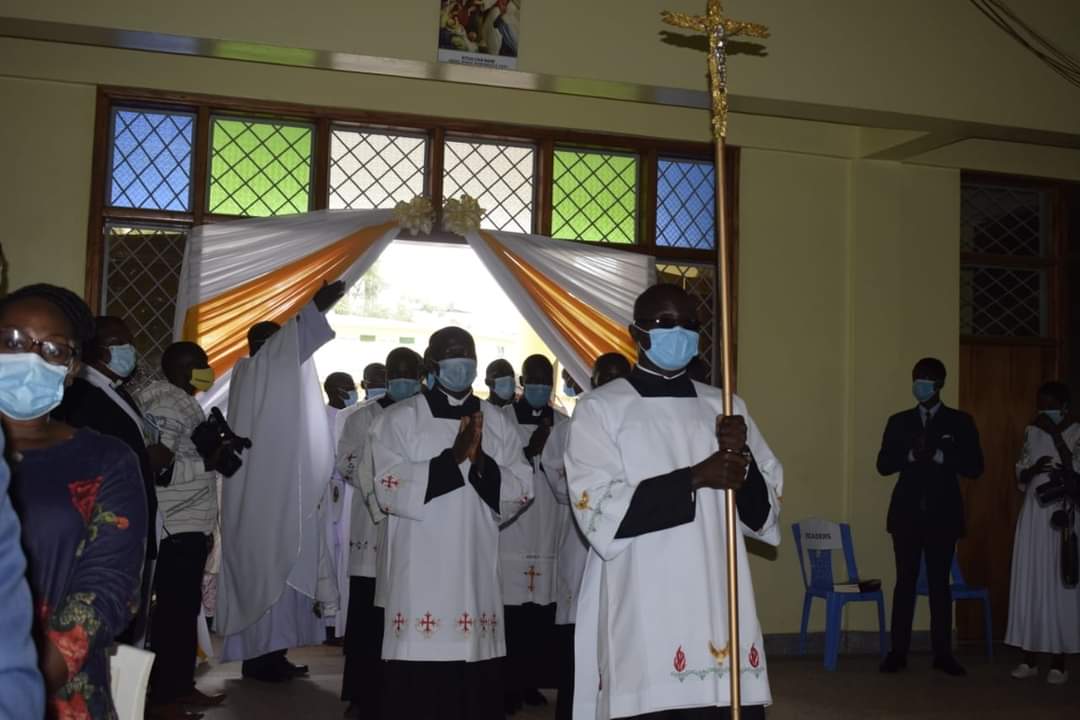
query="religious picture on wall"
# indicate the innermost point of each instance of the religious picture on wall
(479, 32)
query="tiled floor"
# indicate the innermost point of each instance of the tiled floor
(801, 688)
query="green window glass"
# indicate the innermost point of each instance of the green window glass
(594, 196)
(259, 168)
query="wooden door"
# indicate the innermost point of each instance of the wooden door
(997, 386)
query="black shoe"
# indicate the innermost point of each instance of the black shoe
(293, 670)
(533, 697)
(948, 665)
(267, 674)
(893, 664)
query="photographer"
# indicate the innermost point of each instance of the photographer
(188, 501)
(1044, 609)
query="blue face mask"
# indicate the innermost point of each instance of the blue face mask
(504, 388)
(457, 374)
(568, 390)
(402, 388)
(672, 348)
(537, 395)
(29, 386)
(923, 390)
(122, 359)
(430, 380)
(374, 393)
(1055, 416)
(351, 398)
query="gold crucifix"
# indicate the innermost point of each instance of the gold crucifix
(719, 29)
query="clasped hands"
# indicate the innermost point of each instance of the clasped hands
(725, 469)
(467, 442)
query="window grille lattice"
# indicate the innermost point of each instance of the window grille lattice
(594, 197)
(150, 165)
(685, 204)
(500, 177)
(1002, 225)
(375, 170)
(1002, 301)
(1003, 220)
(141, 282)
(259, 168)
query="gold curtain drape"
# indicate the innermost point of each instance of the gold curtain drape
(220, 325)
(588, 331)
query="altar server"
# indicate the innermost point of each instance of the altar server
(573, 548)
(448, 470)
(646, 463)
(361, 679)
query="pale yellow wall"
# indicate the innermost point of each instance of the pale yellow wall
(46, 148)
(904, 289)
(939, 58)
(848, 274)
(792, 333)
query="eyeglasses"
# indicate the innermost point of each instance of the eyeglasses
(54, 352)
(667, 323)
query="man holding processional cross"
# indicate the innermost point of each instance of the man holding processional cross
(666, 475)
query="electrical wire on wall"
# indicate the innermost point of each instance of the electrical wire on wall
(1059, 61)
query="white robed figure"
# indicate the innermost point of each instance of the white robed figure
(335, 506)
(646, 462)
(273, 547)
(528, 545)
(573, 548)
(1044, 613)
(448, 470)
(361, 680)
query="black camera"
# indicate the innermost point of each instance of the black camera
(218, 445)
(1062, 485)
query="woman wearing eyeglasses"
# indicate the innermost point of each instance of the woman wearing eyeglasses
(80, 499)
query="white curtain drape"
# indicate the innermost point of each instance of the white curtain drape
(223, 256)
(606, 279)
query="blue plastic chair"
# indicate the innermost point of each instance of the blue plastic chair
(815, 541)
(962, 591)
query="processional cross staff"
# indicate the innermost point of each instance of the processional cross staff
(719, 29)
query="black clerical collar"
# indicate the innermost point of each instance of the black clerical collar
(528, 415)
(439, 404)
(385, 401)
(651, 384)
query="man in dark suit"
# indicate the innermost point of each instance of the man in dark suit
(930, 446)
(97, 400)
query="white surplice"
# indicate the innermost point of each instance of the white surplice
(442, 596)
(271, 536)
(335, 506)
(1044, 615)
(528, 543)
(652, 629)
(354, 464)
(572, 548)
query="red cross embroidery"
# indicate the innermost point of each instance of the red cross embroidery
(484, 622)
(399, 622)
(532, 574)
(465, 623)
(493, 622)
(427, 624)
(350, 457)
(390, 482)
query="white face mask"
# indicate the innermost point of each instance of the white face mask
(29, 386)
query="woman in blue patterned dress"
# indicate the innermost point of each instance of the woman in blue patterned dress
(79, 496)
